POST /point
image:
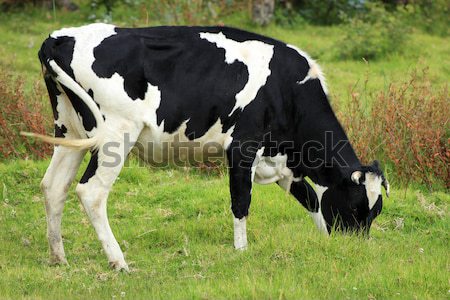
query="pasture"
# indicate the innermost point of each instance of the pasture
(175, 225)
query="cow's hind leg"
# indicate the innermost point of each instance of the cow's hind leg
(93, 189)
(55, 184)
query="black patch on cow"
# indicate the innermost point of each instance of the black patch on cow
(91, 168)
(122, 54)
(345, 207)
(60, 131)
(81, 108)
(375, 211)
(60, 50)
(91, 93)
(306, 195)
(53, 93)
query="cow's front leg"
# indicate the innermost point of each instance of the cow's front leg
(93, 189)
(307, 196)
(241, 191)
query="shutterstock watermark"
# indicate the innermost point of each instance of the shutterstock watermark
(324, 151)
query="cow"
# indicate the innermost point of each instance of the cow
(260, 102)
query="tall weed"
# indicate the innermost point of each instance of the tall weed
(407, 126)
(22, 113)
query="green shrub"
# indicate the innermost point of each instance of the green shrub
(287, 17)
(327, 12)
(98, 5)
(373, 34)
(169, 12)
(430, 15)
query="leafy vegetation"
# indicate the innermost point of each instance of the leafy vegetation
(328, 12)
(430, 15)
(373, 33)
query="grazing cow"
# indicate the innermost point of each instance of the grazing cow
(260, 102)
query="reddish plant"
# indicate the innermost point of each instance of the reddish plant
(406, 126)
(21, 113)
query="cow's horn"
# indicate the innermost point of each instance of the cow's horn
(356, 176)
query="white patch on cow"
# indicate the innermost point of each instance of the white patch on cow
(67, 116)
(320, 190)
(240, 233)
(268, 169)
(228, 140)
(318, 218)
(319, 221)
(255, 163)
(287, 180)
(314, 69)
(271, 169)
(158, 146)
(94, 31)
(373, 188)
(255, 55)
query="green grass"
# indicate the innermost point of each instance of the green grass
(176, 230)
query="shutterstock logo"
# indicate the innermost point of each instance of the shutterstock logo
(180, 152)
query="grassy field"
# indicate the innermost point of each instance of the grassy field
(175, 226)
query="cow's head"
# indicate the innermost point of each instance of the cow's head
(353, 204)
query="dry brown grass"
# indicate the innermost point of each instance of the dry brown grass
(22, 112)
(406, 126)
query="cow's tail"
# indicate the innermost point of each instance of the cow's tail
(63, 78)
(78, 144)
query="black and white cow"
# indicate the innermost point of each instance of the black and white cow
(259, 101)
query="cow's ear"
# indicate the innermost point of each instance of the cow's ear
(356, 177)
(376, 164)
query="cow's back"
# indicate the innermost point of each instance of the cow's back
(198, 85)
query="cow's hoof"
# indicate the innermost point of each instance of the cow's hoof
(119, 266)
(58, 261)
(241, 247)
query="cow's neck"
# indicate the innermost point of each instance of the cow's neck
(319, 128)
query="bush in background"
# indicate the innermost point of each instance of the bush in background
(22, 113)
(373, 34)
(327, 12)
(170, 12)
(406, 126)
(9, 4)
(430, 15)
